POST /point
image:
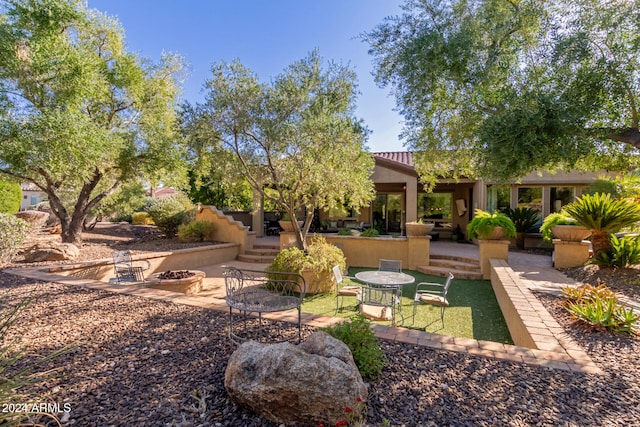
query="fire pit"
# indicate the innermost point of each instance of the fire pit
(185, 281)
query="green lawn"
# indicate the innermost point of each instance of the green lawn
(473, 313)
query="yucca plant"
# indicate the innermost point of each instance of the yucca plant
(603, 215)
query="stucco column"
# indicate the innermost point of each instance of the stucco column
(498, 249)
(570, 254)
(257, 218)
(411, 200)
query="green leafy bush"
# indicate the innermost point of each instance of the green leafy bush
(344, 232)
(624, 252)
(141, 218)
(13, 231)
(10, 196)
(599, 307)
(370, 232)
(356, 333)
(196, 231)
(320, 257)
(168, 213)
(483, 223)
(524, 219)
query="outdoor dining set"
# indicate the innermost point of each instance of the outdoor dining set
(379, 292)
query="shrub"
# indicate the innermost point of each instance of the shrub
(524, 219)
(344, 232)
(36, 219)
(599, 307)
(13, 231)
(196, 231)
(10, 196)
(141, 218)
(356, 333)
(370, 232)
(170, 212)
(320, 257)
(603, 215)
(624, 252)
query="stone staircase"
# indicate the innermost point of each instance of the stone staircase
(461, 267)
(261, 253)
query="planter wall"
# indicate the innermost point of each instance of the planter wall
(570, 254)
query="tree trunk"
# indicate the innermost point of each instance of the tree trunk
(600, 242)
(72, 232)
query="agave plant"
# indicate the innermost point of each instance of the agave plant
(603, 215)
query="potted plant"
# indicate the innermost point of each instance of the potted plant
(419, 228)
(561, 226)
(286, 224)
(490, 226)
(315, 265)
(525, 220)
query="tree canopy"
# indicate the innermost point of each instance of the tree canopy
(78, 114)
(497, 88)
(295, 136)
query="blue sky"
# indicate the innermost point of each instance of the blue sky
(266, 36)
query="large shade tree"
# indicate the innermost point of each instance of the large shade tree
(295, 139)
(78, 114)
(499, 88)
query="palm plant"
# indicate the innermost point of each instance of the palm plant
(603, 215)
(525, 220)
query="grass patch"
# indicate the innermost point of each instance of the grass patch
(473, 312)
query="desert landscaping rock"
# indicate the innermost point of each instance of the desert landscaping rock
(142, 362)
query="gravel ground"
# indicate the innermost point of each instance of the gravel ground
(148, 363)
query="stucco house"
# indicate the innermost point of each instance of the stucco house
(400, 196)
(31, 196)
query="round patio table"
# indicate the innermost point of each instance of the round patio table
(385, 278)
(389, 280)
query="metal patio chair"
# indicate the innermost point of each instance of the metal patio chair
(126, 270)
(344, 289)
(433, 294)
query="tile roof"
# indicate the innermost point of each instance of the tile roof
(404, 158)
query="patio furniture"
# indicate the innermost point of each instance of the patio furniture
(344, 290)
(253, 291)
(382, 293)
(433, 294)
(124, 267)
(390, 265)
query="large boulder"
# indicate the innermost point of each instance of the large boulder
(307, 384)
(51, 251)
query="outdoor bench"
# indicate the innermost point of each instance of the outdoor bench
(254, 291)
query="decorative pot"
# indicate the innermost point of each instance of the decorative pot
(570, 233)
(496, 234)
(187, 285)
(414, 229)
(288, 225)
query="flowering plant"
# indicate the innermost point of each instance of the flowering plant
(353, 416)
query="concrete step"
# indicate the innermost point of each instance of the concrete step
(455, 264)
(443, 271)
(266, 246)
(263, 251)
(260, 259)
(454, 258)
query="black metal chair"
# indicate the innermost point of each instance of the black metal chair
(125, 270)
